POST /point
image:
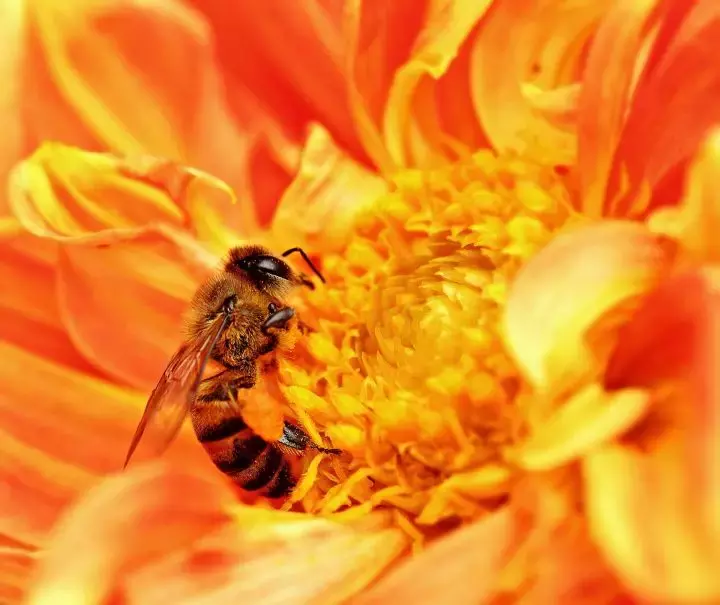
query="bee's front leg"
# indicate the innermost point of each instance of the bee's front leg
(224, 385)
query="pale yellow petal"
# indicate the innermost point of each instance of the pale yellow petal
(574, 282)
(590, 418)
(318, 210)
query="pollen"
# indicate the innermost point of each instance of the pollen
(406, 370)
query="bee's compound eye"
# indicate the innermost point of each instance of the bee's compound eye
(272, 308)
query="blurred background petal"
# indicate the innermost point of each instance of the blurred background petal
(546, 53)
(570, 285)
(205, 550)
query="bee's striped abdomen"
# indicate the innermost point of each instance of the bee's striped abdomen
(246, 458)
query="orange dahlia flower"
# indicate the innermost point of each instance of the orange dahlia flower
(508, 226)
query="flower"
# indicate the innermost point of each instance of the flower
(475, 345)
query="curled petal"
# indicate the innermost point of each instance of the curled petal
(454, 112)
(62, 192)
(673, 338)
(448, 25)
(697, 221)
(329, 193)
(557, 106)
(553, 31)
(574, 282)
(92, 203)
(455, 569)
(381, 37)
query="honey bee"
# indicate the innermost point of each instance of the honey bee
(237, 319)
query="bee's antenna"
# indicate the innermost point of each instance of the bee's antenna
(307, 260)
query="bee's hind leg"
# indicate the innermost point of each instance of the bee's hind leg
(296, 439)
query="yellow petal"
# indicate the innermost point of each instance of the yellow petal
(12, 22)
(590, 418)
(696, 222)
(318, 210)
(570, 285)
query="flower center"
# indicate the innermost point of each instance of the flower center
(407, 372)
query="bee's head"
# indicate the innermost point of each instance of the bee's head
(267, 272)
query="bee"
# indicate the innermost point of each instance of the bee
(237, 319)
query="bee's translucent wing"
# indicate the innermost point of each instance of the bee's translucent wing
(171, 399)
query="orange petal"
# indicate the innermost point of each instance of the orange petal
(673, 338)
(59, 430)
(447, 27)
(11, 101)
(697, 221)
(656, 514)
(89, 83)
(122, 523)
(263, 413)
(662, 340)
(169, 104)
(130, 337)
(381, 38)
(270, 558)
(17, 563)
(607, 86)
(156, 267)
(455, 569)
(679, 89)
(29, 306)
(568, 287)
(319, 208)
(288, 55)
(546, 39)
(456, 119)
(262, 556)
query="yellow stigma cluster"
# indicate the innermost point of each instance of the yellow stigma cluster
(407, 371)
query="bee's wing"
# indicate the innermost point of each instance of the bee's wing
(171, 399)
